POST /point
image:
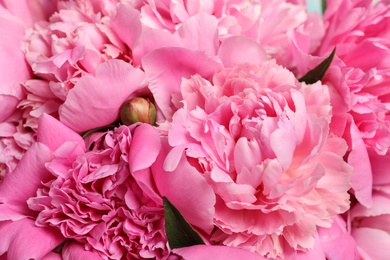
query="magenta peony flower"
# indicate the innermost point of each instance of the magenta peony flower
(104, 202)
(94, 199)
(261, 140)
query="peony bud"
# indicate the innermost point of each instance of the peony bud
(138, 110)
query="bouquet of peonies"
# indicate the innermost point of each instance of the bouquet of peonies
(186, 129)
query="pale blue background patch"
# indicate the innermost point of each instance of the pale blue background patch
(314, 6)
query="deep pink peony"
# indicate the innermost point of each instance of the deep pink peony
(261, 140)
(104, 202)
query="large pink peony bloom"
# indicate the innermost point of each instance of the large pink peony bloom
(261, 140)
(104, 202)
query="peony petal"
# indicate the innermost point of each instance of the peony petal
(374, 242)
(75, 251)
(23, 183)
(95, 101)
(53, 133)
(145, 147)
(238, 49)
(127, 17)
(165, 69)
(23, 240)
(205, 252)
(361, 178)
(200, 33)
(13, 66)
(191, 195)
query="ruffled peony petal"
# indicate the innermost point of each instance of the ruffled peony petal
(166, 67)
(75, 251)
(53, 133)
(204, 252)
(23, 183)
(95, 101)
(238, 49)
(23, 240)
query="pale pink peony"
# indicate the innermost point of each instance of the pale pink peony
(268, 22)
(71, 44)
(261, 140)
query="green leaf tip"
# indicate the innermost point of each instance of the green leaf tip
(318, 72)
(179, 231)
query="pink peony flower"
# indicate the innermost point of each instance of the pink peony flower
(104, 202)
(261, 140)
(268, 22)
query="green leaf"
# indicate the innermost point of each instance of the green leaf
(318, 72)
(179, 231)
(323, 6)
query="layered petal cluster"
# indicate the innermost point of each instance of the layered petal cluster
(94, 199)
(14, 141)
(359, 79)
(72, 43)
(268, 22)
(261, 140)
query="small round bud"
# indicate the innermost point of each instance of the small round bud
(138, 110)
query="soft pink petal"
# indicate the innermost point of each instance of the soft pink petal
(145, 147)
(238, 49)
(31, 11)
(336, 242)
(53, 133)
(200, 33)
(374, 242)
(75, 251)
(13, 66)
(23, 240)
(127, 24)
(23, 183)
(151, 40)
(191, 194)
(361, 177)
(95, 101)
(205, 252)
(165, 69)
